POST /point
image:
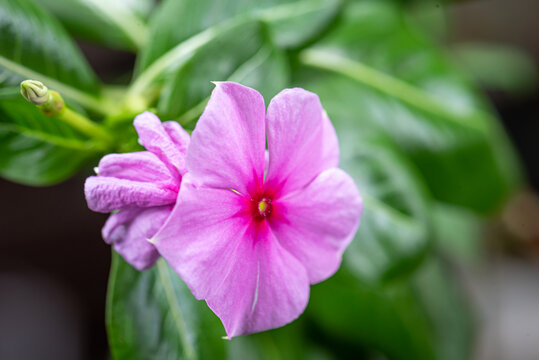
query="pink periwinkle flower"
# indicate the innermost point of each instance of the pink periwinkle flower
(142, 186)
(250, 236)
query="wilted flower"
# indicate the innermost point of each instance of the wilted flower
(142, 186)
(250, 237)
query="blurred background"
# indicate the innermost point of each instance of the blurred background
(54, 264)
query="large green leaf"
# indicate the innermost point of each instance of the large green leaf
(405, 86)
(34, 46)
(243, 54)
(116, 23)
(180, 28)
(457, 232)
(153, 315)
(292, 21)
(38, 150)
(424, 318)
(394, 230)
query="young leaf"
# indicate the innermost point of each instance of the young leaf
(120, 24)
(34, 46)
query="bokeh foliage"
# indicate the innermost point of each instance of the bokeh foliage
(414, 132)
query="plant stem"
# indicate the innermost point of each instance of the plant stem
(84, 125)
(392, 86)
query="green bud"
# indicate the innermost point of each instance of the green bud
(54, 105)
(35, 92)
(48, 101)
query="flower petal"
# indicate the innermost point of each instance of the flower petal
(139, 166)
(330, 144)
(240, 269)
(269, 291)
(129, 229)
(228, 143)
(106, 194)
(167, 142)
(301, 140)
(316, 224)
(178, 135)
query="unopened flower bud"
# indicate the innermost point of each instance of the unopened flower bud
(54, 104)
(35, 92)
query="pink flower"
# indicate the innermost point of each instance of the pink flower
(247, 237)
(142, 186)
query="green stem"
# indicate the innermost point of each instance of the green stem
(392, 86)
(73, 144)
(84, 125)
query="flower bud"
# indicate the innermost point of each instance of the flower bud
(54, 105)
(35, 92)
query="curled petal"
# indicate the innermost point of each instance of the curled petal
(320, 221)
(228, 143)
(106, 194)
(178, 135)
(167, 142)
(237, 266)
(141, 166)
(301, 140)
(128, 231)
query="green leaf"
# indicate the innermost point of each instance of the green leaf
(34, 46)
(243, 54)
(424, 318)
(406, 87)
(291, 23)
(120, 23)
(457, 232)
(498, 67)
(394, 231)
(291, 342)
(38, 150)
(443, 303)
(153, 315)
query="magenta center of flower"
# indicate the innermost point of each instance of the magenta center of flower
(261, 208)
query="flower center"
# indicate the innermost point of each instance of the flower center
(262, 209)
